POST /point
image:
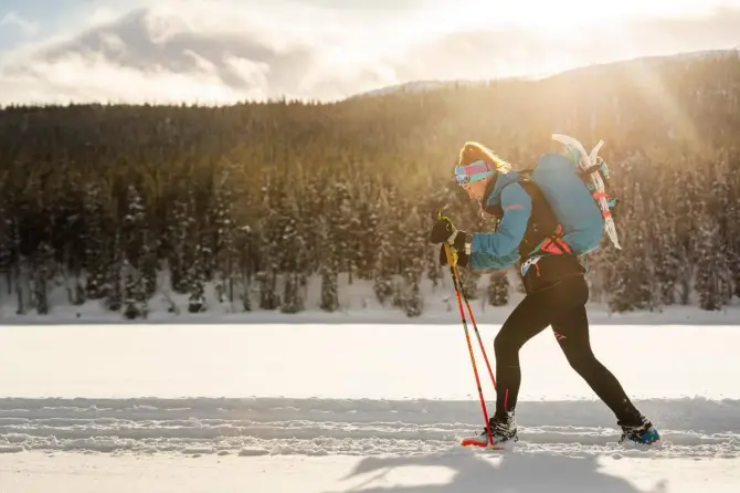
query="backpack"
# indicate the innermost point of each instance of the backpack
(572, 202)
(575, 188)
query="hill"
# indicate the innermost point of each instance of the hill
(641, 62)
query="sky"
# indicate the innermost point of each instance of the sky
(223, 51)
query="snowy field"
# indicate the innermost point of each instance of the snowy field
(336, 408)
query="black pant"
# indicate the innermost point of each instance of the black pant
(561, 306)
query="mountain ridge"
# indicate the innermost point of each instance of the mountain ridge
(428, 85)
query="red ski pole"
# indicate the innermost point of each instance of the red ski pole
(475, 328)
(458, 290)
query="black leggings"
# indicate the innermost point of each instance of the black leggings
(561, 306)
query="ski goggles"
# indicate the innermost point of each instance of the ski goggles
(475, 171)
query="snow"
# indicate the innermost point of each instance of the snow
(454, 472)
(331, 408)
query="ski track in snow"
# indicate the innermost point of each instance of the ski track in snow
(690, 427)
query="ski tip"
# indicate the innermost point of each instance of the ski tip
(474, 443)
(468, 442)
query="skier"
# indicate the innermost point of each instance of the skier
(530, 233)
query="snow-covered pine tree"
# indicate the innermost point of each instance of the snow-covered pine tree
(469, 280)
(197, 302)
(270, 252)
(137, 256)
(342, 216)
(42, 274)
(328, 270)
(195, 252)
(689, 207)
(385, 260)
(723, 207)
(148, 264)
(225, 233)
(329, 287)
(247, 246)
(732, 215)
(666, 253)
(414, 299)
(733, 233)
(434, 269)
(94, 235)
(631, 281)
(292, 298)
(267, 281)
(312, 202)
(294, 260)
(408, 251)
(68, 238)
(180, 239)
(413, 250)
(498, 288)
(365, 236)
(713, 284)
(6, 242)
(130, 292)
(14, 279)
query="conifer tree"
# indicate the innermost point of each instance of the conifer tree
(498, 289)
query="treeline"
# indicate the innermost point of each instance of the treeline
(258, 197)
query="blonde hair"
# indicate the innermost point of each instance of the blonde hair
(473, 151)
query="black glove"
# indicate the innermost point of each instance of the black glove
(444, 231)
(462, 257)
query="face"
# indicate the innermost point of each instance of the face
(476, 189)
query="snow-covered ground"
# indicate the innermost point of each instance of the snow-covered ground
(332, 408)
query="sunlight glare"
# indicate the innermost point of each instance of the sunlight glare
(565, 15)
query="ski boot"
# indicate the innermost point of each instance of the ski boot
(503, 429)
(642, 432)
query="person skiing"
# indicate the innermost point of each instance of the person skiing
(556, 291)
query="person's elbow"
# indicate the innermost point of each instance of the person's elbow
(501, 248)
(505, 241)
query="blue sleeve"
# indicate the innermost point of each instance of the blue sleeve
(500, 248)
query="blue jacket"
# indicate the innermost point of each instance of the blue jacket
(500, 249)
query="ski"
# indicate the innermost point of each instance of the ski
(586, 162)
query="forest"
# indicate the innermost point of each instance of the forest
(257, 198)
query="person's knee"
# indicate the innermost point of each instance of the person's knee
(582, 362)
(504, 344)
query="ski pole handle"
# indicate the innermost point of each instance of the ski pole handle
(451, 256)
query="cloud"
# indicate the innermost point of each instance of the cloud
(220, 52)
(12, 19)
(483, 54)
(211, 55)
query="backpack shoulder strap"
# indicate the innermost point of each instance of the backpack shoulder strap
(544, 225)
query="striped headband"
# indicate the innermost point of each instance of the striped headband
(475, 171)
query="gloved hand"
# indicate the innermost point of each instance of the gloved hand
(462, 257)
(444, 231)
